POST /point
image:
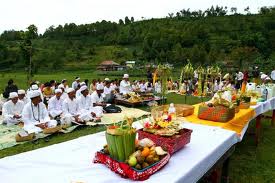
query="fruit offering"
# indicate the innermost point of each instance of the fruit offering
(146, 153)
(163, 126)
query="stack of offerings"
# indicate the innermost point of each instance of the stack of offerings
(124, 155)
(219, 109)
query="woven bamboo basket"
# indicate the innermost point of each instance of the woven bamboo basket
(19, 138)
(52, 130)
(182, 110)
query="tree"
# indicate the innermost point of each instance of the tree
(127, 20)
(234, 10)
(247, 10)
(121, 22)
(132, 19)
(32, 32)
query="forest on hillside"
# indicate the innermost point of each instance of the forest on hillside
(217, 36)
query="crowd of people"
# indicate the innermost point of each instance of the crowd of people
(48, 104)
(233, 81)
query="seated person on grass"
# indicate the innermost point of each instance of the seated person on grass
(35, 114)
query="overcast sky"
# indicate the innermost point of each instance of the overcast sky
(19, 14)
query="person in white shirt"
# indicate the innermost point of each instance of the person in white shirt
(239, 78)
(55, 104)
(70, 109)
(35, 115)
(35, 87)
(272, 76)
(97, 100)
(75, 83)
(125, 85)
(78, 92)
(142, 86)
(107, 89)
(157, 87)
(113, 86)
(12, 110)
(87, 111)
(22, 97)
(64, 82)
(64, 95)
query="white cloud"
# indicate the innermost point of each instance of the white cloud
(18, 14)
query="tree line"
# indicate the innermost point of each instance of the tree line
(218, 35)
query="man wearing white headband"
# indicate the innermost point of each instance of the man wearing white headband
(70, 109)
(87, 111)
(35, 87)
(97, 99)
(55, 104)
(64, 95)
(22, 97)
(78, 92)
(12, 110)
(35, 114)
(75, 83)
(125, 86)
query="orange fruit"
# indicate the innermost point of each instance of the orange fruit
(145, 152)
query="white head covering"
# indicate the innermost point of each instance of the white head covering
(125, 76)
(69, 90)
(77, 78)
(106, 79)
(82, 88)
(82, 83)
(21, 92)
(13, 95)
(34, 94)
(99, 87)
(34, 87)
(57, 91)
(61, 86)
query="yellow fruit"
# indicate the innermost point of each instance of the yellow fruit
(145, 152)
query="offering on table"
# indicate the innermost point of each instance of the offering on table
(220, 108)
(132, 97)
(121, 140)
(146, 154)
(146, 159)
(162, 125)
(176, 110)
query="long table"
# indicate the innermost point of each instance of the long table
(71, 161)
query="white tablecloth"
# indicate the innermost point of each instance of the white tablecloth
(71, 161)
(260, 108)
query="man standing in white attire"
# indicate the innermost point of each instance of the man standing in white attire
(35, 115)
(125, 86)
(12, 110)
(55, 104)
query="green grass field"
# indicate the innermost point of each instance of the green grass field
(249, 164)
